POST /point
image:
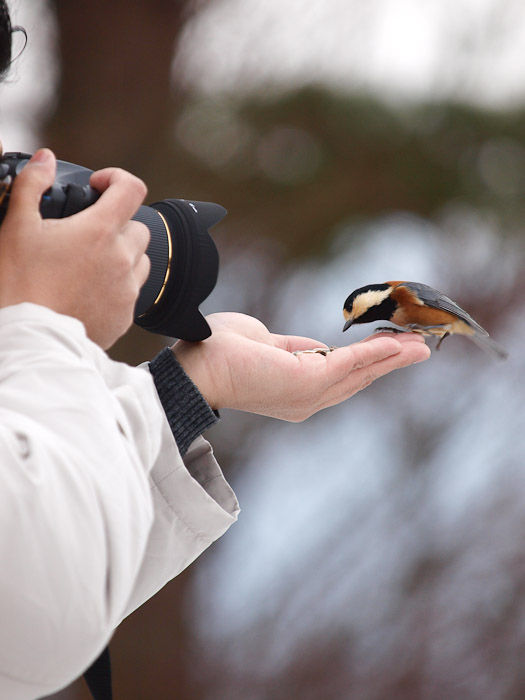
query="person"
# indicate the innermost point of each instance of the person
(107, 487)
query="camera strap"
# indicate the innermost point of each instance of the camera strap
(98, 677)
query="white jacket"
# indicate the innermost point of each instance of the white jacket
(97, 509)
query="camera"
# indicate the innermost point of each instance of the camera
(184, 258)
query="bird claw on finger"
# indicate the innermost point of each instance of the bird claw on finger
(319, 351)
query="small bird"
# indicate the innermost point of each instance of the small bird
(416, 307)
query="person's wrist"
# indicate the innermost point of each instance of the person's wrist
(186, 409)
(190, 358)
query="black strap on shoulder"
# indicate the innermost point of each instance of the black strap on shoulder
(98, 677)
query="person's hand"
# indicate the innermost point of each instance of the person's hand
(244, 366)
(90, 265)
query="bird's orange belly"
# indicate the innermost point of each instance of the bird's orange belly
(436, 323)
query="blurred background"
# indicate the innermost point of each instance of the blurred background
(380, 552)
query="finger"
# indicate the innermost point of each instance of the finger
(36, 177)
(411, 353)
(402, 337)
(362, 354)
(358, 379)
(122, 193)
(345, 361)
(345, 370)
(137, 238)
(142, 269)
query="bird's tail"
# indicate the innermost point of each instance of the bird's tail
(485, 342)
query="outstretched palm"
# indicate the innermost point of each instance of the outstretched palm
(244, 366)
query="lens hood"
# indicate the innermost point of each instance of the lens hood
(191, 271)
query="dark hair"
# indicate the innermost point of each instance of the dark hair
(6, 38)
(6, 32)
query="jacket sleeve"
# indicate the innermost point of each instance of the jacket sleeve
(90, 487)
(193, 505)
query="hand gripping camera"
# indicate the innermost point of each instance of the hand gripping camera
(183, 256)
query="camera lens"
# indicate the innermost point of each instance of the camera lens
(184, 267)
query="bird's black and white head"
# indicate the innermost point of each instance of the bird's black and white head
(369, 304)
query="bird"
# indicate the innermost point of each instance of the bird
(418, 308)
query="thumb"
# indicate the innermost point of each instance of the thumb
(29, 186)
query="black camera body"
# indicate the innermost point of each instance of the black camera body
(183, 256)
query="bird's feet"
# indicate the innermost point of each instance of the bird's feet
(442, 339)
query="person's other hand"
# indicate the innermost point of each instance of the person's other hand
(90, 265)
(245, 367)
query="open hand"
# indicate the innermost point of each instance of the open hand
(245, 367)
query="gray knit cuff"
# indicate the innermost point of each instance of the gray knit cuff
(187, 411)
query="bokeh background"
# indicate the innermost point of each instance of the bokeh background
(381, 548)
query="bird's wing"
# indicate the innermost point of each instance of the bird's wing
(437, 300)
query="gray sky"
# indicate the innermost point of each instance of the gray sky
(472, 49)
(419, 48)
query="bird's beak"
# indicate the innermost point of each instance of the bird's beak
(349, 319)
